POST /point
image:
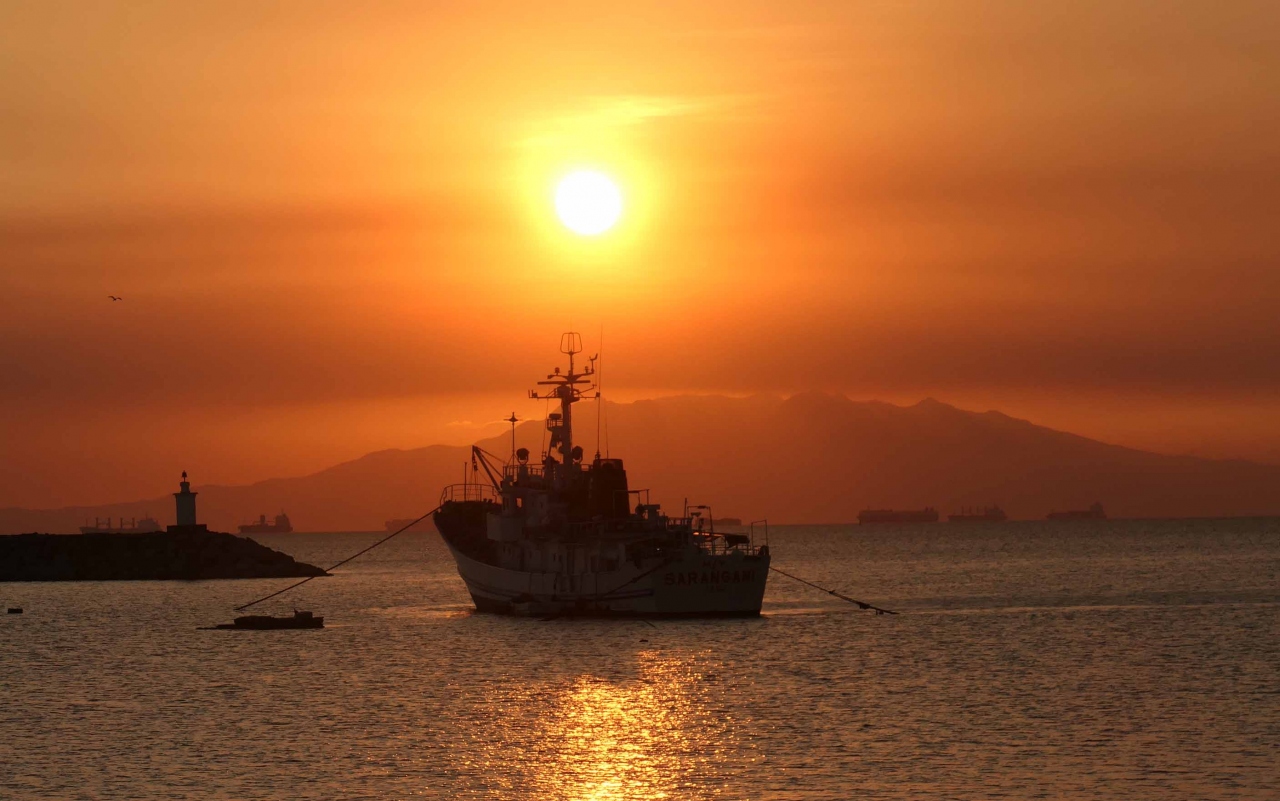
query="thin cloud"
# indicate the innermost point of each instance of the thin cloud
(796, 32)
(615, 113)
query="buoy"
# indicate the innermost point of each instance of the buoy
(15, 610)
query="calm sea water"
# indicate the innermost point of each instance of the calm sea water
(1064, 661)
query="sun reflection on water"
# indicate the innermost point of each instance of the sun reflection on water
(648, 737)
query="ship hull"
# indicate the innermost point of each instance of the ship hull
(695, 585)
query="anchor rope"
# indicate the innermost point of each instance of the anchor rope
(601, 595)
(401, 530)
(861, 604)
(597, 596)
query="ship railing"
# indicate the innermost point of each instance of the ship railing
(458, 493)
(721, 544)
(683, 527)
(518, 471)
(605, 528)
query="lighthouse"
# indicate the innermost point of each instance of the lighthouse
(186, 503)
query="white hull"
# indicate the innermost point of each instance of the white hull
(693, 585)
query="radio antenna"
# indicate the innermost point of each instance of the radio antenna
(599, 389)
(513, 420)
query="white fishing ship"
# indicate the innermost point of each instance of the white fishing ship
(560, 537)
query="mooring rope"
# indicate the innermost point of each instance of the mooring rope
(401, 530)
(601, 595)
(598, 595)
(861, 604)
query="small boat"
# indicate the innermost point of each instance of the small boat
(299, 620)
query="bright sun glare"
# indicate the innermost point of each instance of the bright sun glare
(588, 202)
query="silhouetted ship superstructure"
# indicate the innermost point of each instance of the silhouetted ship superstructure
(925, 515)
(147, 525)
(1094, 512)
(559, 537)
(280, 525)
(987, 514)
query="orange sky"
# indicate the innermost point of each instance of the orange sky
(332, 227)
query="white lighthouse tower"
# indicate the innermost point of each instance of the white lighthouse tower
(186, 503)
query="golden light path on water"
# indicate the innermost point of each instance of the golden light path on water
(630, 740)
(652, 727)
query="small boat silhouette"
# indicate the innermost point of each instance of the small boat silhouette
(299, 620)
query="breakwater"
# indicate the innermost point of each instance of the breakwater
(173, 555)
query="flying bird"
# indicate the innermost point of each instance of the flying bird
(113, 297)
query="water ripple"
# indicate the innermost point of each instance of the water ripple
(1128, 660)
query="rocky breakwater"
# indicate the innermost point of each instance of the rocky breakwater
(191, 554)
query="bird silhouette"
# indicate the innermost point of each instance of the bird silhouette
(113, 297)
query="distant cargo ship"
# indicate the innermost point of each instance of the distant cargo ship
(280, 526)
(1094, 512)
(400, 522)
(987, 514)
(925, 515)
(147, 525)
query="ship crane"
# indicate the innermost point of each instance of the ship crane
(492, 469)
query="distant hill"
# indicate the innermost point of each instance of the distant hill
(813, 457)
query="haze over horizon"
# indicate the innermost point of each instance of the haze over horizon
(813, 458)
(332, 229)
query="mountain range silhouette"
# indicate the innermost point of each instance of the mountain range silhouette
(810, 458)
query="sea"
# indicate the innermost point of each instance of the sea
(1075, 660)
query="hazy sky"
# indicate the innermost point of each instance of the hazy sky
(332, 227)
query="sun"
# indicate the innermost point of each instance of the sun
(588, 202)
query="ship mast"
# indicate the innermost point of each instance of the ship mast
(568, 388)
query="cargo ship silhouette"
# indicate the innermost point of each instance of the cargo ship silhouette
(925, 515)
(397, 523)
(987, 514)
(1094, 512)
(280, 525)
(147, 525)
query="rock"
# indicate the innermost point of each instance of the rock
(178, 554)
